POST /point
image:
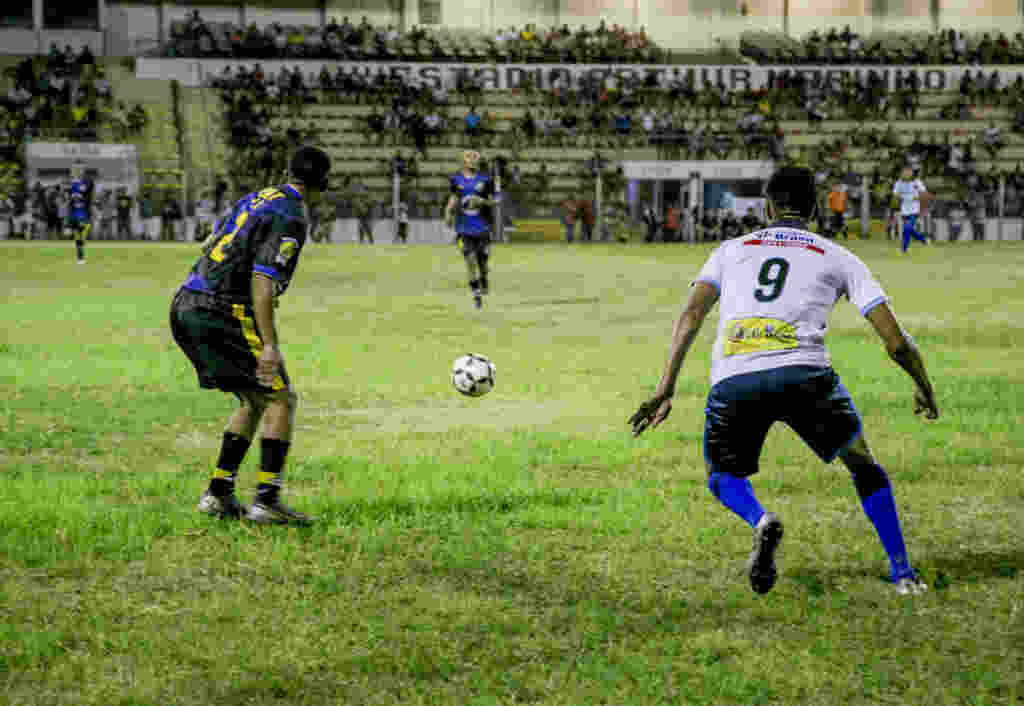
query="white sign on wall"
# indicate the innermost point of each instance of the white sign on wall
(729, 170)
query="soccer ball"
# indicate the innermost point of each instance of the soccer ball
(473, 374)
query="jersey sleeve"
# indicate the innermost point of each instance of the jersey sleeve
(276, 247)
(860, 286)
(711, 272)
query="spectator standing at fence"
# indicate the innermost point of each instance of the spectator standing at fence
(363, 208)
(147, 212)
(170, 216)
(108, 215)
(837, 211)
(588, 218)
(651, 220)
(124, 213)
(672, 224)
(570, 213)
(976, 207)
(402, 234)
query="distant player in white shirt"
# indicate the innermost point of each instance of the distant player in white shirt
(909, 190)
(776, 288)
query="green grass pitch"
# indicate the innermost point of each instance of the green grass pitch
(518, 548)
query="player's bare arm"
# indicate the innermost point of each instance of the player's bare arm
(904, 352)
(263, 290)
(655, 410)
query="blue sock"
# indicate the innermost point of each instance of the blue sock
(736, 494)
(880, 508)
(906, 237)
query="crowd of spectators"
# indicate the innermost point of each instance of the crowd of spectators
(845, 46)
(670, 111)
(65, 95)
(363, 41)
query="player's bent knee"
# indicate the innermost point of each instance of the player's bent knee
(868, 480)
(857, 455)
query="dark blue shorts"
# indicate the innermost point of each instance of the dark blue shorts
(741, 409)
(478, 244)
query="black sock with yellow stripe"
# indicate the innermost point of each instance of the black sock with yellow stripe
(232, 451)
(273, 453)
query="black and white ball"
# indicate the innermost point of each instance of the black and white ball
(473, 374)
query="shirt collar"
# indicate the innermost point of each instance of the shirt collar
(291, 190)
(798, 223)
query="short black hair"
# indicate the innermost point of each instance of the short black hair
(311, 166)
(793, 190)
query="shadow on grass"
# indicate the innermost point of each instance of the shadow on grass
(360, 512)
(939, 572)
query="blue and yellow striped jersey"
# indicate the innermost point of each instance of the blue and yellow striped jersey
(471, 221)
(263, 233)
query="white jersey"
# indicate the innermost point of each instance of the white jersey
(777, 288)
(910, 195)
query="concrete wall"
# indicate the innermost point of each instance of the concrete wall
(676, 24)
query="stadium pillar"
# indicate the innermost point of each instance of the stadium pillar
(697, 196)
(599, 188)
(1002, 206)
(499, 215)
(37, 24)
(161, 21)
(396, 192)
(865, 208)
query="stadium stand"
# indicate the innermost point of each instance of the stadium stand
(845, 46)
(963, 137)
(347, 41)
(278, 91)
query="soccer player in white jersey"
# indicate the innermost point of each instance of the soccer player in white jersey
(776, 289)
(909, 190)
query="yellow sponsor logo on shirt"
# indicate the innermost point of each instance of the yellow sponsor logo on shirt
(756, 335)
(287, 250)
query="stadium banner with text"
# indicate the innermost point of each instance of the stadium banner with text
(194, 72)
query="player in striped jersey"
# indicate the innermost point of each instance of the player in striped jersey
(472, 191)
(776, 288)
(79, 222)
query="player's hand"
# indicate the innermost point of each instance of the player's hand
(925, 402)
(269, 365)
(651, 413)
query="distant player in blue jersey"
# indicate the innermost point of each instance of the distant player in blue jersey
(223, 320)
(775, 289)
(78, 223)
(472, 192)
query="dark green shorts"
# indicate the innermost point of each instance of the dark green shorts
(222, 341)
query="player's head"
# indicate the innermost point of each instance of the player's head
(791, 192)
(907, 173)
(471, 160)
(310, 166)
